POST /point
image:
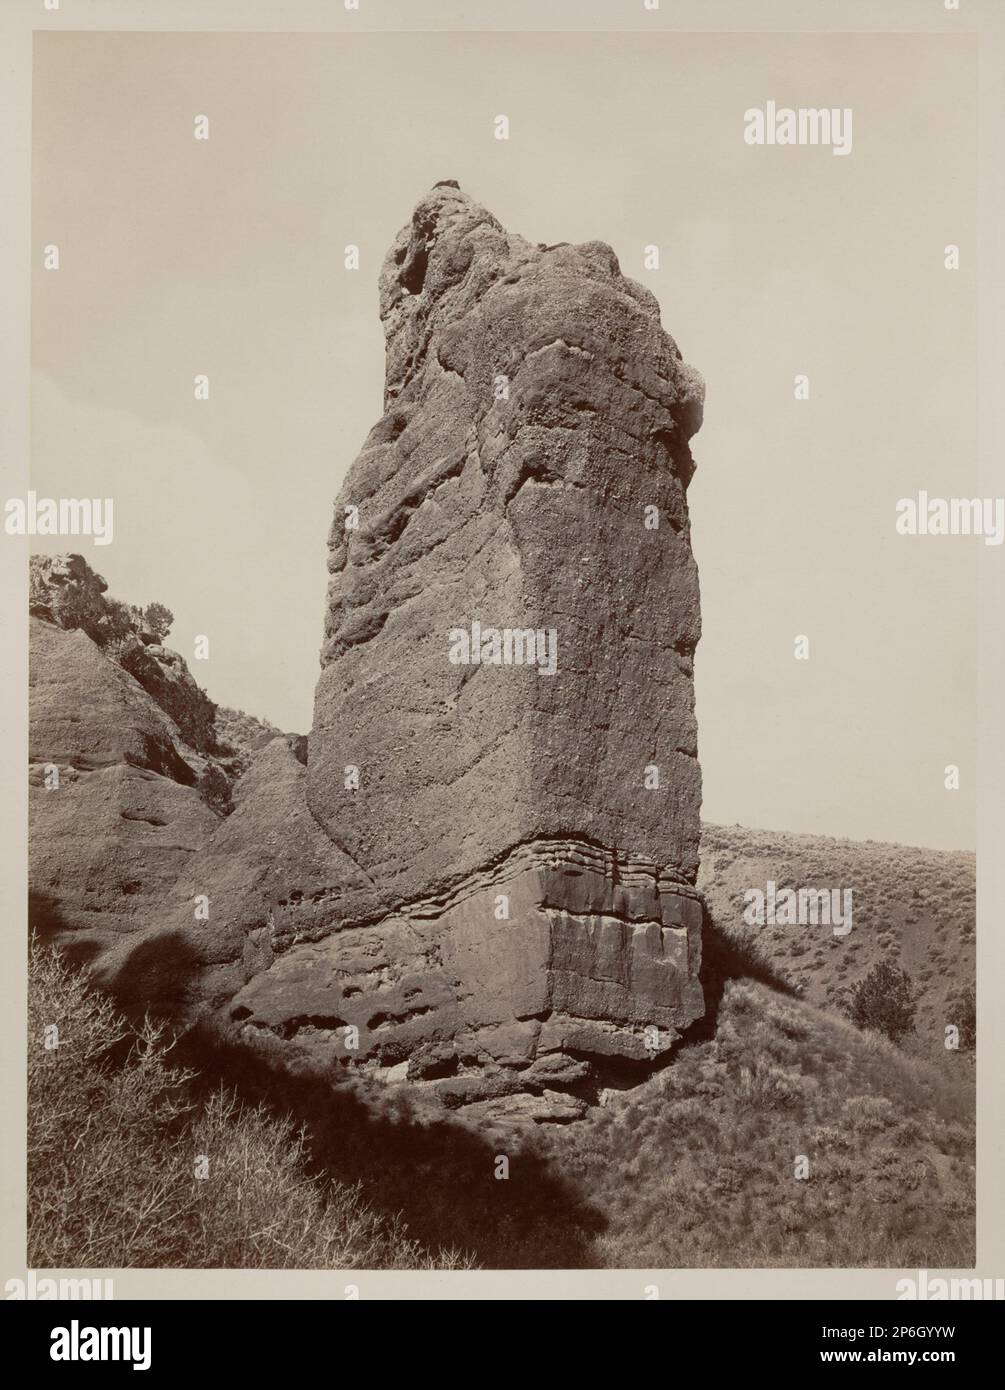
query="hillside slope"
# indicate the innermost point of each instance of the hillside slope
(789, 1139)
(698, 1167)
(132, 767)
(916, 907)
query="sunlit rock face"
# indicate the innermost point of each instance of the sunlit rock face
(504, 739)
(480, 876)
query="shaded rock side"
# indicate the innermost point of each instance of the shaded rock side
(114, 802)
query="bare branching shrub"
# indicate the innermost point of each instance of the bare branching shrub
(129, 1167)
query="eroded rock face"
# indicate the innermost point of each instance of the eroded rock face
(535, 409)
(594, 951)
(66, 592)
(270, 878)
(114, 805)
(478, 878)
(128, 776)
(524, 835)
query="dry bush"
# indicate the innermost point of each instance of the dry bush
(117, 1136)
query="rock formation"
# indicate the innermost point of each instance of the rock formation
(114, 810)
(519, 894)
(483, 878)
(128, 775)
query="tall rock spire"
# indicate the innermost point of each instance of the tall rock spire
(481, 873)
(504, 721)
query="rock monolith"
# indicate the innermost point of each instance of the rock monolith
(504, 741)
(478, 872)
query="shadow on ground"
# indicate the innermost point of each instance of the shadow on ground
(724, 958)
(440, 1174)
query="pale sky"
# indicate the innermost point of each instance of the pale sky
(226, 257)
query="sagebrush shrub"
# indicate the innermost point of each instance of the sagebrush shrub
(117, 1136)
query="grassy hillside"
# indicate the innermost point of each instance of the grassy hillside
(698, 1167)
(914, 906)
(695, 1168)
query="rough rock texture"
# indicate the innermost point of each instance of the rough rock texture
(469, 880)
(271, 876)
(65, 591)
(524, 512)
(114, 805)
(516, 891)
(128, 776)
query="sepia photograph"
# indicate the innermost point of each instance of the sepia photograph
(504, 526)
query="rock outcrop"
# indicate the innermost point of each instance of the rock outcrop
(128, 775)
(479, 876)
(522, 841)
(66, 592)
(114, 806)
